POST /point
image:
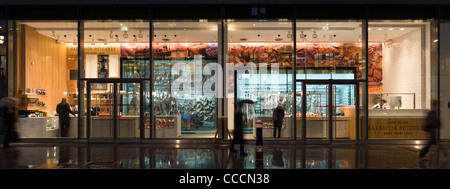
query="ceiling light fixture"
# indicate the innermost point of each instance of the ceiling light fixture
(165, 38)
(302, 35)
(314, 35)
(125, 35)
(140, 34)
(279, 38)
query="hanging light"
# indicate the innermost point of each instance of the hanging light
(302, 35)
(314, 35)
(331, 38)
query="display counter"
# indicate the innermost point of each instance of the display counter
(44, 127)
(168, 126)
(317, 127)
(396, 123)
(267, 126)
(102, 126)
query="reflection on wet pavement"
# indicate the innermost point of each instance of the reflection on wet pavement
(126, 156)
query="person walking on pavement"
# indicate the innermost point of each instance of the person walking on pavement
(432, 124)
(238, 135)
(7, 120)
(63, 110)
(278, 115)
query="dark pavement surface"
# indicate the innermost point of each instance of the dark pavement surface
(204, 156)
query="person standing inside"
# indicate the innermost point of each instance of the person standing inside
(278, 115)
(380, 105)
(63, 110)
(432, 124)
(238, 135)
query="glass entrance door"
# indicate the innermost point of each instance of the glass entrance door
(100, 109)
(329, 111)
(129, 103)
(114, 111)
(344, 111)
(317, 111)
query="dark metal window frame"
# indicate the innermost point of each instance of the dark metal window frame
(149, 12)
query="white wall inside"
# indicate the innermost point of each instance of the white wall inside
(404, 68)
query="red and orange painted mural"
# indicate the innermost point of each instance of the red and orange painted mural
(308, 55)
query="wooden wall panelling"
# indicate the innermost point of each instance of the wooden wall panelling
(43, 63)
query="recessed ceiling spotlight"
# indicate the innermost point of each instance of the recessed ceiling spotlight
(402, 29)
(391, 29)
(380, 28)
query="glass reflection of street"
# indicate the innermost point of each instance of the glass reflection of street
(198, 156)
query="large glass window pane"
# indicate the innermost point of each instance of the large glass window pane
(329, 49)
(444, 75)
(47, 67)
(401, 85)
(116, 49)
(3, 60)
(186, 75)
(119, 49)
(261, 53)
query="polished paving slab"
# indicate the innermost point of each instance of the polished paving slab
(202, 156)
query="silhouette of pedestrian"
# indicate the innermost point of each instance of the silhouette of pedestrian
(8, 119)
(238, 135)
(278, 114)
(432, 124)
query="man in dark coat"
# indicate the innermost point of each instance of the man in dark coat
(278, 119)
(63, 110)
(238, 135)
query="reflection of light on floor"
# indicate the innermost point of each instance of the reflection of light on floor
(417, 144)
(51, 163)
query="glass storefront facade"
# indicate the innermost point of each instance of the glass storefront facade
(172, 77)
